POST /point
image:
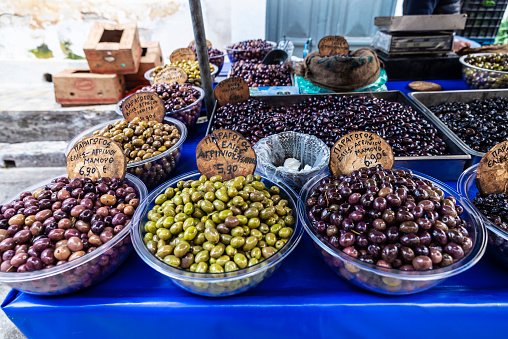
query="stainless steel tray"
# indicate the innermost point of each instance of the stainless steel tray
(442, 167)
(427, 99)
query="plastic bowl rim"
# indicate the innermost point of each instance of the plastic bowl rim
(229, 49)
(178, 123)
(462, 265)
(174, 273)
(462, 60)
(461, 183)
(302, 172)
(12, 277)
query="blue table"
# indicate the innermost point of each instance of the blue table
(304, 298)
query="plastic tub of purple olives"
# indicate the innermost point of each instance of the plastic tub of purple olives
(249, 49)
(489, 209)
(391, 231)
(57, 257)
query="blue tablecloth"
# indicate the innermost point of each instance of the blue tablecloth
(304, 298)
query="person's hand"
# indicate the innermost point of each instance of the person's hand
(459, 44)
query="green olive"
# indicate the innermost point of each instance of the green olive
(223, 260)
(230, 266)
(202, 256)
(172, 260)
(240, 260)
(250, 243)
(215, 268)
(181, 249)
(190, 233)
(217, 250)
(212, 235)
(256, 252)
(253, 261)
(201, 267)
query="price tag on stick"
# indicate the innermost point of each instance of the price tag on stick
(96, 157)
(333, 45)
(171, 74)
(147, 106)
(226, 153)
(359, 149)
(492, 173)
(182, 54)
(232, 90)
(193, 43)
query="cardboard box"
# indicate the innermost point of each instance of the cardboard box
(113, 48)
(151, 57)
(79, 86)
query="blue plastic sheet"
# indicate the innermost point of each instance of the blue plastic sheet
(303, 298)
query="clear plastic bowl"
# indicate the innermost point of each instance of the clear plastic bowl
(235, 55)
(188, 115)
(85, 271)
(153, 171)
(214, 284)
(498, 238)
(481, 78)
(195, 82)
(393, 281)
(218, 61)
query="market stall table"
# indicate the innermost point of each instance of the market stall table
(303, 298)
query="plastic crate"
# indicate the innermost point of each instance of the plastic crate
(483, 19)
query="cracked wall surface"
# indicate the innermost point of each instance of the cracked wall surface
(28, 24)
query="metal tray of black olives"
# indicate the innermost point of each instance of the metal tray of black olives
(425, 100)
(442, 167)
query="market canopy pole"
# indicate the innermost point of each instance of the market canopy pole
(202, 50)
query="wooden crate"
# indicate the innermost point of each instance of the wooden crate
(79, 86)
(151, 56)
(113, 48)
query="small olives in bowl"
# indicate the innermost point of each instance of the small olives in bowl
(190, 67)
(216, 238)
(485, 70)
(155, 169)
(391, 231)
(249, 49)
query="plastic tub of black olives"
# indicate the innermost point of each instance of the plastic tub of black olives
(493, 212)
(444, 167)
(464, 115)
(372, 250)
(154, 170)
(224, 276)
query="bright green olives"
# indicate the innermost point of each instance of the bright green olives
(215, 226)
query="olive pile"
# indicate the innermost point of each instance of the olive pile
(176, 98)
(492, 73)
(390, 219)
(257, 74)
(140, 139)
(481, 124)
(63, 221)
(494, 62)
(211, 226)
(249, 49)
(190, 67)
(216, 57)
(329, 117)
(494, 207)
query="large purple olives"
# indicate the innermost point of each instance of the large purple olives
(409, 224)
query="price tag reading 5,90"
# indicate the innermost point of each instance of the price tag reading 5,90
(96, 157)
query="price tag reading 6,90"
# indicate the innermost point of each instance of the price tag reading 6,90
(359, 149)
(96, 157)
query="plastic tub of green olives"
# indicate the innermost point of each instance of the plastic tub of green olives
(234, 276)
(483, 78)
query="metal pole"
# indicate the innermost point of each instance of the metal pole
(202, 50)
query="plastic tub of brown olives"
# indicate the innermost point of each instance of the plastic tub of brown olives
(425, 100)
(216, 284)
(443, 167)
(498, 238)
(388, 280)
(482, 78)
(152, 171)
(84, 271)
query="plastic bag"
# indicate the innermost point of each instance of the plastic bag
(306, 87)
(309, 150)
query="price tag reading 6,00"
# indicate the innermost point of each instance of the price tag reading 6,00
(96, 157)
(359, 149)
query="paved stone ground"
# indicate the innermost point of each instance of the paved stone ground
(12, 181)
